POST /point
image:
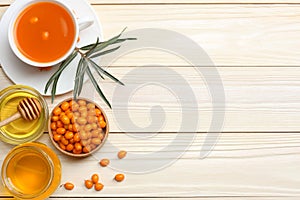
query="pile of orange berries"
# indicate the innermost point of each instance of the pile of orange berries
(78, 126)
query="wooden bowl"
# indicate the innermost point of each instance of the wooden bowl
(87, 139)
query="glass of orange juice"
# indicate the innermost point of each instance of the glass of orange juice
(31, 171)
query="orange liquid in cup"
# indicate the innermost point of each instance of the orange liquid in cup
(44, 32)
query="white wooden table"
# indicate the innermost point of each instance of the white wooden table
(255, 45)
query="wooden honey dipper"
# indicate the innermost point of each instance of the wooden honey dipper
(29, 109)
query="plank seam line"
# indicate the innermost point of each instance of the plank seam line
(216, 3)
(203, 132)
(218, 66)
(137, 197)
(167, 4)
(190, 66)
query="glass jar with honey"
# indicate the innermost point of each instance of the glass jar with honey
(31, 171)
(21, 130)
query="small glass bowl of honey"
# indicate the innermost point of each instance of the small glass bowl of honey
(20, 130)
(31, 171)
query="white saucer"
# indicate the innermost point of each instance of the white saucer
(21, 73)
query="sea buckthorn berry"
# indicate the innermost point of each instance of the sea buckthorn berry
(104, 162)
(54, 118)
(61, 131)
(92, 112)
(74, 107)
(69, 135)
(62, 146)
(88, 184)
(69, 186)
(68, 111)
(96, 141)
(70, 127)
(85, 150)
(75, 127)
(98, 112)
(82, 109)
(95, 133)
(69, 115)
(84, 114)
(73, 119)
(88, 148)
(76, 137)
(64, 119)
(53, 126)
(76, 114)
(101, 136)
(70, 147)
(91, 106)
(57, 137)
(59, 124)
(95, 178)
(89, 140)
(76, 151)
(89, 135)
(81, 121)
(64, 106)
(102, 124)
(98, 186)
(101, 118)
(57, 111)
(78, 147)
(84, 142)
(90, 119)
(122, 154)
(80, 128)
(61, 114)
(71, 141)
(83, 135)
(119, 177)
(64, 141)
(81, 102)
(88, 127)
(71, 103)
(94, 126)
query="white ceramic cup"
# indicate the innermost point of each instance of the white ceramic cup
(79, 24)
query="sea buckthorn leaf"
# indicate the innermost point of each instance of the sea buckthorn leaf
(87, 52)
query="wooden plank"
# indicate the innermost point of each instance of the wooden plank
(257, 99)
(2, 10)
(235, 168)
(232, 35)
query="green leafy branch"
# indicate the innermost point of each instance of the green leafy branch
(85, 64)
